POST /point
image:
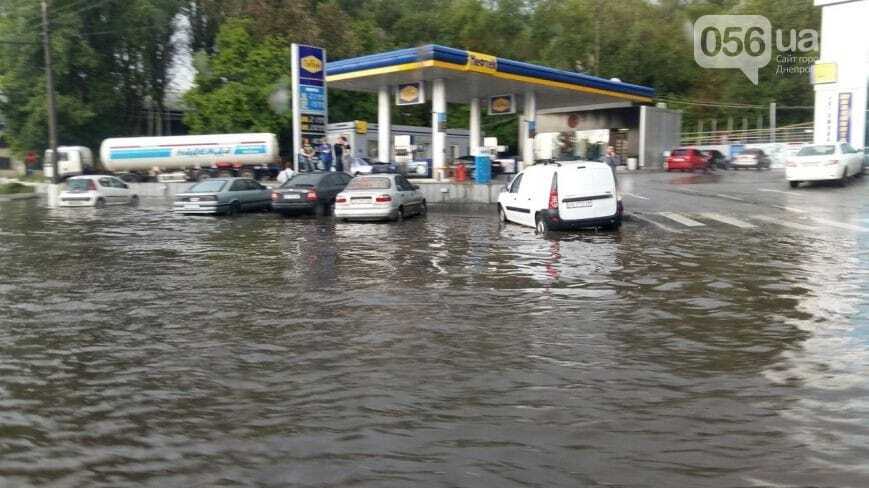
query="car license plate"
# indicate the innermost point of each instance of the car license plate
(580, 204)
(192, 207)
(291, 196)
(194, 199)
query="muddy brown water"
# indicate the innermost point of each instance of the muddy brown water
(138, 348)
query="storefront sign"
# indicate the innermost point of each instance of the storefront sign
(410, 94)
(482, 63)
(361, 126)
(844, 120)
(310, 102)
(825, 73)
(502, 105)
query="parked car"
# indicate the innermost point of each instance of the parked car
(419, 169)
(379, 197)
(309, 193)
(687, 159)
(367, 166)
(824, 162)
(228, 196)
(563, 196)
(97, 191)
(752, 158)
(716, 159)
(865, 159)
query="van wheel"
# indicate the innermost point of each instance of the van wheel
(542, 226)
(502, 215)
(100, 203)
(794, 184)
(614, 226)
(134, 201)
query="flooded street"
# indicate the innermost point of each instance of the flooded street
(140, 348)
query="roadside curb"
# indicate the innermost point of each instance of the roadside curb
(18, 196)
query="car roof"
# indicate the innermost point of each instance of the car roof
(90, 177)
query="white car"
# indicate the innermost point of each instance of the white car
(820, 162)
(563, 195)
(379, 197)
(360, 166)
(97, 191)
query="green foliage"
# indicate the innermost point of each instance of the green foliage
(14, 187)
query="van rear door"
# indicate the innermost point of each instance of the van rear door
(586, 192)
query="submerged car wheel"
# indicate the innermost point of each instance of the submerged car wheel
(100, 203)
(399, 215)
(844, 179)
(794, 184)
(233, 209)
(423, 209)
(542, 226)
(502, 216)
(134, 201)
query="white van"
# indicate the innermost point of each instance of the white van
(564, 195)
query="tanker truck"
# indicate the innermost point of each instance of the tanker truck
(191, 158)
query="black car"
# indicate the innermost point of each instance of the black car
(313, 192)
(716, 159)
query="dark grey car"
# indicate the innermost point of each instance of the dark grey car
(228, 196)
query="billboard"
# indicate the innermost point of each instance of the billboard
(310, 97)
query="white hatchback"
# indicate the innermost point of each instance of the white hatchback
(97, 191)
(563, 195)
(824, 162)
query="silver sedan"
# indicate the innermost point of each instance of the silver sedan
(379, 197)
(228, 196)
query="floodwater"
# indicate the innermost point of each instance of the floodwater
(138, 348)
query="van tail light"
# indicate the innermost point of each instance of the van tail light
(832, 162)
(340, 199)
(383, 199)
(92, 186)
(553, 192)
(311, 196)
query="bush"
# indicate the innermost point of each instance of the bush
(14, 187)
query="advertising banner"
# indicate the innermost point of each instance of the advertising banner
(310, 98)
(502, 105)
(410, 93)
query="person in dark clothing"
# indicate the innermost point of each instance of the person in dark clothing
(339, 153)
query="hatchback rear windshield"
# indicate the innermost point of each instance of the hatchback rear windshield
(80, 184)
(681, 152)
(208, 186)
(305, 179)
(376, 183)
(825, 150)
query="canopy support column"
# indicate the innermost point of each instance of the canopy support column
(474, 143)
(384, 125)
(529, 130)
(438, 127)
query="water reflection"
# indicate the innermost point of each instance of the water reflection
(142, 348)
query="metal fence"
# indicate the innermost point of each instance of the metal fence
(792, 133)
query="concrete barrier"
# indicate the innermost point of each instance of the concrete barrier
(448, 192)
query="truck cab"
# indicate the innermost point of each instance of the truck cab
(71, 161)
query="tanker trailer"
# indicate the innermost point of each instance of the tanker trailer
(195, 157)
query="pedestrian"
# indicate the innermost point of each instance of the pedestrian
(611, 158)
(307, 156)
(325, 150)
(339, 153)
(285, 174)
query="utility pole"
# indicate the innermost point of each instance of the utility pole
(772, 122)
(49, 86)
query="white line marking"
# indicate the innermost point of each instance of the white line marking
(792, 225)
(728, 220)
(782, 192)
(656, 224)
(840, 225)
(731, 197)
(682, 219)
(790, 209)
(637, 196)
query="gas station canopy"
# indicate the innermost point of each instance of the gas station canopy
(468, 75)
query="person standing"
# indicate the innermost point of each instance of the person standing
(611, 158)
(339, 153)
(325, 150)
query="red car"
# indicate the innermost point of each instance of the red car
(687, 160)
